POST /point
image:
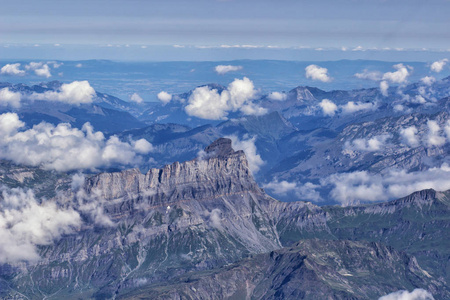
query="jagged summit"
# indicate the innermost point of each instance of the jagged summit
(221, 148)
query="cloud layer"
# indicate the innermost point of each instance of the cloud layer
(64, 148)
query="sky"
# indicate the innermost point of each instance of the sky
(225, 24)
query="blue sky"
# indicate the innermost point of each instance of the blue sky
(337, 24)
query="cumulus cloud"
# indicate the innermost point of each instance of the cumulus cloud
(136, 98)
(305, 191)
(439, 65)
(384, 87)
(247, 145)
(77, 92)
(223, 69)
(328, 107)
(315, 72)
(209, 104)
(12, 69)
(164, 97)
(352, 107)
(399, 76)
(25, 223)
(39, 68)
(277, 96)
(428, 80)
(434, 137)
(9, 98)
(369, 75)
(409, 136)
(64, 148)
(375, 143)
(417, 294)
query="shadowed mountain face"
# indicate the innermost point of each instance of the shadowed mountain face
(204, 227)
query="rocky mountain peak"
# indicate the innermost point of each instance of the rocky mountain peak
(220, 148)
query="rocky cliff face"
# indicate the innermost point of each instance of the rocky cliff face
(195, 215)
(144, 230)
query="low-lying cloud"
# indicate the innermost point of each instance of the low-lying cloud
(223, 69)
(64, 148)
(329, 108)
(76, 92)
(439, 65)
(247, 145)
(277, 96)
(164, 97)
(136, 98)
(375, 143)
(417, 294)
(25, 224)
(10, 98)
(369, 75)
(12, 70)
(39, 68)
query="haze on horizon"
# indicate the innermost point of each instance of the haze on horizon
(222, 29)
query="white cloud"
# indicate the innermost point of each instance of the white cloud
(439, 65)
(375, 143)
(417, 294)
(328, 107)
(352, 107)
(409, 136)
(277, 96)
(428, 80)
(384, 86)
(362, 186)
(25, 223)
(164, 97)
(399, 76)
(223, 69)
(77, 92)
(247, 145)
(39, 68)
(305, 191)
(434, 137)
(399, 107)
(315, 72)
(12, 69)
(55, 64)
(209, 104)
(136, 98)
(369, 75)
(8, 97)
(64, 148)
